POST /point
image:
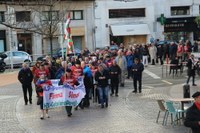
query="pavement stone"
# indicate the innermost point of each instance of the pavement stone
(128, 113)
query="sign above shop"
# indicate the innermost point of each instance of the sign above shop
(186, 24)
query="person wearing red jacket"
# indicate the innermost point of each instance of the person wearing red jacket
(41, 82)
(41, 71)
(77, 70)
(70, 80)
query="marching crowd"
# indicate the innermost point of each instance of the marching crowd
(102, 69)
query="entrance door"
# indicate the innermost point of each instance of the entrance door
(25, 42)
(77, 40)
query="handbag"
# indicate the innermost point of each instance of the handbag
(39, 100)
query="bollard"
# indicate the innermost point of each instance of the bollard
(186, 91)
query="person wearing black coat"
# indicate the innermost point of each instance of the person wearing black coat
(102, 77)
(192, 119)
(191, 64)
(25, 77)
(137, 70)
(115, 71)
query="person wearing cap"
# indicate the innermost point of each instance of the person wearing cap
(68, 79)
(192, 119)
(191, 64)
(25, 77)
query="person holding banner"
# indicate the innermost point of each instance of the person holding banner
(77, 71)
(70, 80)
(102, 77)
(41, 83)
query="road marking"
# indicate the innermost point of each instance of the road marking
(151, 74)
(6, 97)
(167, 82)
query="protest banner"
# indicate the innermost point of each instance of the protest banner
(65, 95)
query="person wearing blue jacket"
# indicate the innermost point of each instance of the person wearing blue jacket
(88, 82)
(130, 58)
(137, 70)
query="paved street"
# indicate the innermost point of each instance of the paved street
(128, 113)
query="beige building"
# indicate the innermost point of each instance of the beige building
(31, 20)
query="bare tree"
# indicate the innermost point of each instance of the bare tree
(39, 16)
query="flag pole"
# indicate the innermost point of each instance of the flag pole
(67, 37)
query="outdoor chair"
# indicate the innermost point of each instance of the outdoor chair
(175, 113)
(161, 109)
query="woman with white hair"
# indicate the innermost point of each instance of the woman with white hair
(121, 61)
(153, 52)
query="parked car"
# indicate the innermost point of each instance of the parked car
(59, 52)
(18, 57)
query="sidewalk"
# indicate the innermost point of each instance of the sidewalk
(128, 113)
(8, 78)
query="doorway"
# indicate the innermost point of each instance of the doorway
(25, 42)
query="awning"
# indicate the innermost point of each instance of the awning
(126, 30)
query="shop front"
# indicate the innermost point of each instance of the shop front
(176, 29)
(130, 34)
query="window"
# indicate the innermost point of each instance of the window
(77, 15)
(50, 15)
(180, 10)
(126, 13)
(2, 17)
(23, 16)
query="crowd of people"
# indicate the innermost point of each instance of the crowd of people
(101, 70)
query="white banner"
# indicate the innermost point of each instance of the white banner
(66, 95)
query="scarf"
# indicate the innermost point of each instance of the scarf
(197, 105)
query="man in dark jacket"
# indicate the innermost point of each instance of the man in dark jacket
(192, 119)
(191, 64)
(137, 70)
(115, 71)
(25, 77)
(102, 77)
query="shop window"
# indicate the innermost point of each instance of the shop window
(22, 16)
(180, 10)
(77, 15)
(126, 13)
(50, 15)
(2, 17)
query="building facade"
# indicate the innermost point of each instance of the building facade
(35, 43)
(95, 23)
(138, 21)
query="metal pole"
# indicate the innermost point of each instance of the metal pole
(11, 49)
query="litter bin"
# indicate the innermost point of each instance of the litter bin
(186, 91)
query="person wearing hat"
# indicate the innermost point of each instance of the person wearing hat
(192, 119)
(70, 80)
